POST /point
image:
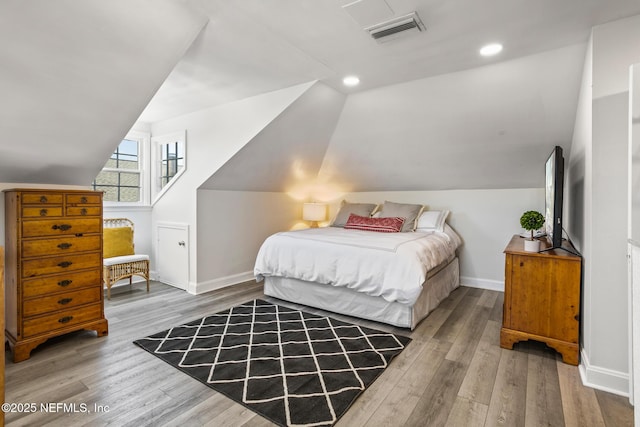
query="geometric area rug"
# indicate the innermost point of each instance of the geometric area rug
(291, 367)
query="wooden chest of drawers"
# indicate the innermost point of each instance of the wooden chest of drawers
(54, 266)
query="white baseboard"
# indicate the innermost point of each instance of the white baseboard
(601, 378)
(474, 282)
(222, 282)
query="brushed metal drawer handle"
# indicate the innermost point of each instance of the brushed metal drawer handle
(43, 212)
(43, 199)
(83, 211)
(83, 200)
(65, 245)
(61, 227)
(65, 264)
(64, 301)
(64, 283)
(65, 319)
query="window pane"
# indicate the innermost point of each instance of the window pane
(129, 194)
(126, 155)
(129, 179)
(172, 161)
(107, 178)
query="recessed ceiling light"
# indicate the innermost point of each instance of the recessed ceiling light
(491, 49)
(351, 81)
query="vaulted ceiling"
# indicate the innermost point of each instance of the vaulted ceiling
(76, 75)
(256, 46)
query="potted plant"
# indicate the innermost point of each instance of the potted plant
(531, 221)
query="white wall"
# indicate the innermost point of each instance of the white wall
(485, 219)
(598, 182)
(214, 135)
(231, 227)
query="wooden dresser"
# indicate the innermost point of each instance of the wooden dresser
(542, 298)
(53, 286)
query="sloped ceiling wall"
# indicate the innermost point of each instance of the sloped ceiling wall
(489, 127)
(75, 76)
(289, 151)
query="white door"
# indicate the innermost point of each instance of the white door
(173, 254)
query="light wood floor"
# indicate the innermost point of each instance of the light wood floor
(452, 374)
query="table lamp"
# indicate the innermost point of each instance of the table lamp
(314, 212)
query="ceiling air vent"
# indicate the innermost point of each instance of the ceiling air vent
(394, 28)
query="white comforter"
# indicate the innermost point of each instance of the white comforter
(390, 265)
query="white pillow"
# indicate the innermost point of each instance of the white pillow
(432, 221)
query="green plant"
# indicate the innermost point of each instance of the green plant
(531, 221)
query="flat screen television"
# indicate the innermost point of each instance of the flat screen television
(554, 177)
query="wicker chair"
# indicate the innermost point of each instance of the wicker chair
(120, 267)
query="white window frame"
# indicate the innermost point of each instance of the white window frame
(143, 139)
(156, 143)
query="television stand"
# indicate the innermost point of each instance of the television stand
(542, 299)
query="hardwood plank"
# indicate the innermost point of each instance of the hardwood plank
(436, 402)
(465, 344)
(488, 298)
(615, 409)
(479, 381)
(456, 321)
(508, 400)
(431, 324)
(544, 402)
(467, 413)
(201, 413)
(496, 313)
(402, 398)
(579, 404)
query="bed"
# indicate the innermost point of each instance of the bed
(394, 278)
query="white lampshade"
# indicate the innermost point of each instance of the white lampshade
(314, 212)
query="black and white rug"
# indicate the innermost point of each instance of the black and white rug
(292, 367)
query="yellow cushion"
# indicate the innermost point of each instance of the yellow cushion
(118, 241)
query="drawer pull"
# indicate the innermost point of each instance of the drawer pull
(65, 264)
(83, 200)
(65, 319)
(61, 227)
(83, 211)
(64, 283)
(64, 301)
(43, 199)
(43, 212)
(65, 245)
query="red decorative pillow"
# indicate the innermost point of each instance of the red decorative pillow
(391, 224)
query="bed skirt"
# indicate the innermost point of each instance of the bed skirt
(349, 302)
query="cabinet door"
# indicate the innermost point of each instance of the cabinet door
(545, 296)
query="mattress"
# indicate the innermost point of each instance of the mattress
(392, 266)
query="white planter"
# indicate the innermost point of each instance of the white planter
(532, 245)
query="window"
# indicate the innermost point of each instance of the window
(171, 161)
(169, 153)
(142, 168)
(122, 178)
